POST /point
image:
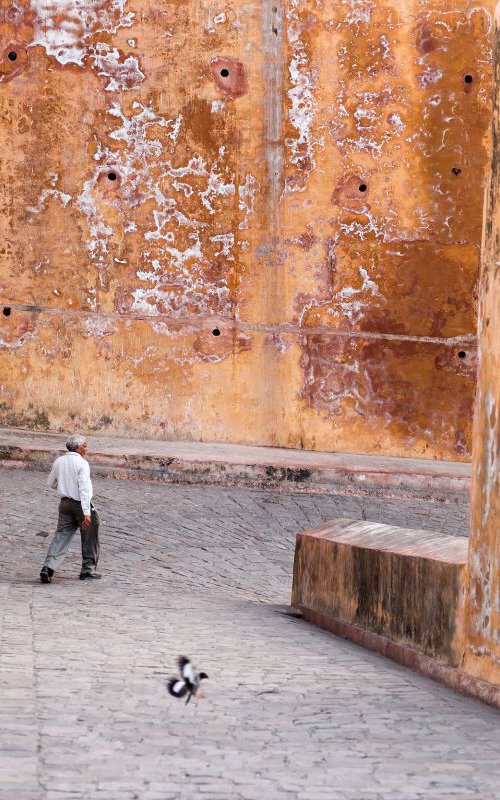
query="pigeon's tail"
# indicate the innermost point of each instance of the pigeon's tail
(176, 687)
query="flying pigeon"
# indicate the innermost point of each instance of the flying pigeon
(188, 683)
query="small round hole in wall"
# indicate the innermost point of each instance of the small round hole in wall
(468, 79)
(456, 170)
(12, 55)
(112, 176)
(216, 332)
(224, 72)
(362, 187)
(7, 311)
(461, 353)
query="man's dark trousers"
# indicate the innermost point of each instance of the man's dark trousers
(70, 519)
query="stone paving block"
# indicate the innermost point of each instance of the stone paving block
(288, 712)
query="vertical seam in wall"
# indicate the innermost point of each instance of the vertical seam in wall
(272, 67)
(273, 270)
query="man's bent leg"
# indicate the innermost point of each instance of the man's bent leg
(66, 529)
(90, 544)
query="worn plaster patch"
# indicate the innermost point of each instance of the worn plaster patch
(186, 257)
(303, 106)
(65, 29)
(70, 31)
(51, 192)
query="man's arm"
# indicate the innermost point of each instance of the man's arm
(84, 486)
(52, 479)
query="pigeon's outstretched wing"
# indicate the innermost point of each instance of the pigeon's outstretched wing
(186, 670)
(177, 687)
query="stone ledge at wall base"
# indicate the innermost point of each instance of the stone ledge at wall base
(395, 591)
(221, 464)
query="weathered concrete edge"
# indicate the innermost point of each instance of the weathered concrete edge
(407, 657)
(263, 476)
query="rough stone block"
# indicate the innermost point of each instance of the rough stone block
(405, 585)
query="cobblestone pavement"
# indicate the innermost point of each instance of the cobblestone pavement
(290, 712)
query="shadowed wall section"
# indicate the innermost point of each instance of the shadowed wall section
(248, 222)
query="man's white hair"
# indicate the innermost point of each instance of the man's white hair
(74, 442)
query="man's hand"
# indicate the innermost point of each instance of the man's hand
(86, 522)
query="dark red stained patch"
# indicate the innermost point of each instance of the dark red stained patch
(426, 42)
(307, 240)
(205, 128)
(393, 284)
(230, 75)
(216, 272)
(304, 240)
(409, 387)
(328, 376)
(351, 193)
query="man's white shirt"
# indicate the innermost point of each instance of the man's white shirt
(70, 473)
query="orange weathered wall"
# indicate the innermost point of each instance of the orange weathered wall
(482, 654)
(319, 206)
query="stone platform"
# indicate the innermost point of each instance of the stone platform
(251, 467)
(396, 591)
(403, 584)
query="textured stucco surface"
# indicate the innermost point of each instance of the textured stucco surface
(304, 179)
(483, 643)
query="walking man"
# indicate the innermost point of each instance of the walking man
(70, 475)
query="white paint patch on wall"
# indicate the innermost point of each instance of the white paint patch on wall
(48, 193)
(359, 12)
(122, 73)
(480, 569)
(371, 132)
(226, 242)
(173, 269)
(349, 301)
(65, 29)
(214, 19)
(491, 456)
(303, 105)
(98, 326)
(246, 194)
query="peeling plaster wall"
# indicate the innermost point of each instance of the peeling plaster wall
(482, 653)
(249, 222)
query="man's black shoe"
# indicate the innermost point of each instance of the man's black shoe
(46, 575)
(93, 575)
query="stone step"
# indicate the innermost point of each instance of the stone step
(252, 467)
